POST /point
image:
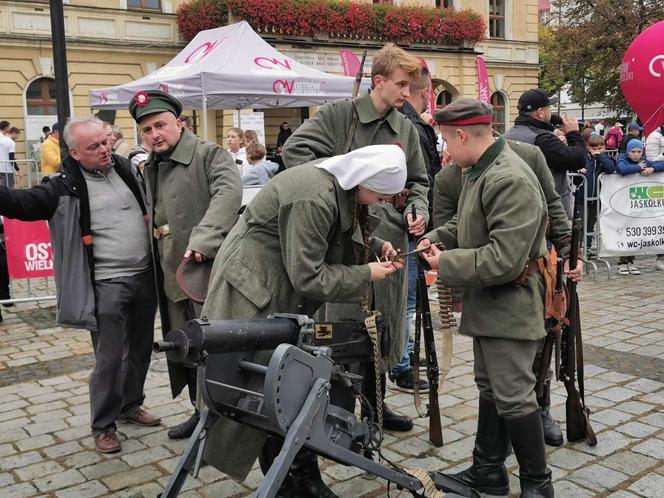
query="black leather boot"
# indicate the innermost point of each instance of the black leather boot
(185, 429)
(306, 477)
(394, 422)
(488, 473)
(553, 436)
(527, 438)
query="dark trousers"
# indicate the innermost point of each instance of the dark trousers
(122, 343)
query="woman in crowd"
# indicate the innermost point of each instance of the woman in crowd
(260, 170)
(235, 141)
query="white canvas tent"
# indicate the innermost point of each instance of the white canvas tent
(231, 67)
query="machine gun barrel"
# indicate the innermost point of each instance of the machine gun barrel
(188, 342)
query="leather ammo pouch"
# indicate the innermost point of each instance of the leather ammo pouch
(555, 296)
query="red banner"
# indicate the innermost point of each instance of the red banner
(29, 253)
(483, 92)
(350, 62)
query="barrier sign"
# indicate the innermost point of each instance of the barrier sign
(29, 253)
(631, 218)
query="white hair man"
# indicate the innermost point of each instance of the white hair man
(101, 247)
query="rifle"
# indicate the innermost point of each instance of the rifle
(577, 414)
(358, 76)
(424, 319)
(555, 319)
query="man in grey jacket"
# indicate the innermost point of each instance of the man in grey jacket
(103, 270)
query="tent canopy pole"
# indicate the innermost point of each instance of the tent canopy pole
(205, 118)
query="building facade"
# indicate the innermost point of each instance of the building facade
(110, 42)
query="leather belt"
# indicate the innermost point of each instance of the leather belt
(532, 266)
(161, 231)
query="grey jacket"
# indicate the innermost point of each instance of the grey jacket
(63, 201)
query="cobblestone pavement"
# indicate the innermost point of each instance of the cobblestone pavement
(46, 448)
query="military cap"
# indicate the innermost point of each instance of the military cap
(464, 112)
(148, 102)
(534, 99)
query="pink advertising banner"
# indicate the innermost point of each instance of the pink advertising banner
(483, 92)
(350, 62)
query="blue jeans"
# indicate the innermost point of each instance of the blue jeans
(411, 303)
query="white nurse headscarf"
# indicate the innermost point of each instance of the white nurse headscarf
(381, 168)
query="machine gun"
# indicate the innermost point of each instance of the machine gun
(288, 397)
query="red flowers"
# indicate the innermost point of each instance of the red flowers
(142, 98)
(337, 19)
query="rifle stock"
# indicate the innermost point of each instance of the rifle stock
(577, 415)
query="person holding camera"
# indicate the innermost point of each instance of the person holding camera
(533, 126)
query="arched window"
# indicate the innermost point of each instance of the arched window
(498, 103)
(443, 99)
(40, 98)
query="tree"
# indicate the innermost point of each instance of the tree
(584, 44)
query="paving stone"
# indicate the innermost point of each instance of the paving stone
(652, 447)
(46, 427)
(6, 449)
(88, 489)
(655, 398)
(6, 479)
(597, 477)
(607, 443)
(20, 460)
(340, 472)
(637, 429)
(81, 459)
(611, 417)
(622, 494)
(20, 490)
(106, 468)
(634, 407)
(357, 487)
(650, 486)
(148, 455)
(223, 489)
(131, 477)
(568, 459)
(645, 385)
(35, 442)
(62, 449)
(628, 462)
(36, 470)
(567, 489)
(617, 394)
(656, 419)
(60, 480)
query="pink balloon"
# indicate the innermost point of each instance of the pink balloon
(642, 76)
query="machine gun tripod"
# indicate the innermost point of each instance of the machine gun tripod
(288, 397)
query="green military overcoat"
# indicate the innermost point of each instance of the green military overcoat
(201, 191)
(345, 125)
(500, 225)
(447, 190)
(291, 250)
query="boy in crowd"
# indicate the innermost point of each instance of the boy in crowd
(633, 162)
(597, 162)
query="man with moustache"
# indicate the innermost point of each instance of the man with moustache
(103, 270)
(194, 193)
